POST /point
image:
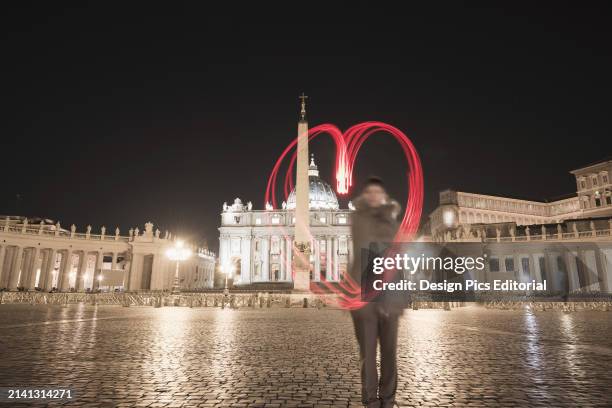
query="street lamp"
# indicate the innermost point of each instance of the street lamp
(177, 253)
(227, 270)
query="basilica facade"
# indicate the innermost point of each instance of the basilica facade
(256, 246)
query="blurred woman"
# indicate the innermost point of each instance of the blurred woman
(373, 226)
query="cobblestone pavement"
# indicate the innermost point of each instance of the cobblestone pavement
(113, 356)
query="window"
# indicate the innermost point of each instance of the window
(594, 180)
(258, 221)
(275, 220)
(322, 220)
(341, 220)
(604, 178)
(509, 264)
(582, 184)
(493, 264)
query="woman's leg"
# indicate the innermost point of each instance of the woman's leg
(366, 331)
(388, 358)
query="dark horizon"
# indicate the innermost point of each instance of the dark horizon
(119, 117)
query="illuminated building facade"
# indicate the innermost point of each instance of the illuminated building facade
(256, 246)
(459, 210)
(567, 242)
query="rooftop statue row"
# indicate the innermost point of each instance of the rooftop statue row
(23, 225)
(238, 206)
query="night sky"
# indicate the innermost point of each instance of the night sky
(118, 115)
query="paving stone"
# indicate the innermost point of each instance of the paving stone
(183, 357)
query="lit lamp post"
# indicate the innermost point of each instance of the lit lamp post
(177, 253)
(227, 270)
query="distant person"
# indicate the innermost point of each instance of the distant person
(373, 227)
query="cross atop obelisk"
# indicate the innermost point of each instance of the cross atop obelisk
(301, 249)
(303, 106)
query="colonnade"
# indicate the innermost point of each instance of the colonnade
(35, 268)
(45, 257)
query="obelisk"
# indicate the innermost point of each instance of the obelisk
(301, 247)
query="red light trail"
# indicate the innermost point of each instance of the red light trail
(347, 148)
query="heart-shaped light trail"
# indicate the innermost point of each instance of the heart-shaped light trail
(347, 147)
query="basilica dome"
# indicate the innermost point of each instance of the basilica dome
(321, 196)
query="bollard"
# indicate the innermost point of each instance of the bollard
(288, 302)
(305, 303)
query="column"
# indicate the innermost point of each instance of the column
(15, 269)
(289, 260)
(42, 280)
(606, 254)
(63, 283)
(98, 271)
(3, 272)
(136, 272)
(24, 280)
(591, 274)
(328, 258)
(157, 271)
(114, 262)
(265, 253)
(81, 271)
(317, 260)
(600, 259)
(335, 253)
(46, 275)
(224, 251)
(572, 270)
(282, 244)
(32, 270)
(245, 260)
